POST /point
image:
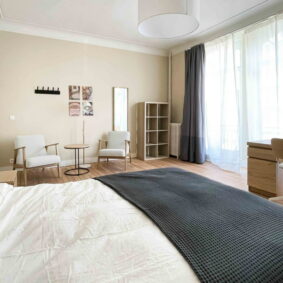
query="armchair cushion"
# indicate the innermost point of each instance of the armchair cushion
(111, 152)
(34, 146)
(42, 160)
(116, 140)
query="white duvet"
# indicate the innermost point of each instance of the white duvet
(82, 232)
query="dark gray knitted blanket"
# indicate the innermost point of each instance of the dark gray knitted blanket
(225, 234)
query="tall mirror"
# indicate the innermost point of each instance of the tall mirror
(120, 109)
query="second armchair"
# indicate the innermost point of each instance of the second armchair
(117, 146)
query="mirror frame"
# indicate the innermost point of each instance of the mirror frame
(114, 88)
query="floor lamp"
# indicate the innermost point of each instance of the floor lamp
(84, 165)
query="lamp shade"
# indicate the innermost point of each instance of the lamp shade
(168, 18)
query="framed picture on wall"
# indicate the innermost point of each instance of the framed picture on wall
(74, 92)
(74, 109)
(87, 108)
(87, 93)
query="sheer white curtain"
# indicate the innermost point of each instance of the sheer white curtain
(244, 91)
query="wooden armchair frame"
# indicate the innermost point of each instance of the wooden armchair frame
(23, 149)
(127, 155)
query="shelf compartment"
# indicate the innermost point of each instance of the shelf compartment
(151, 151)
(163, 150)
(163, 124)
(163, 110)
(163, 137)
(151, 124)
(151, 138)
(151, 110)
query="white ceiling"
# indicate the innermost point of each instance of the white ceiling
(117, 19)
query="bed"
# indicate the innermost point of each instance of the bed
(88, 231)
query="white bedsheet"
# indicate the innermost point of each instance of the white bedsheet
(82, 232)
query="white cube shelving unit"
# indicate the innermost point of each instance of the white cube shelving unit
(153, 130)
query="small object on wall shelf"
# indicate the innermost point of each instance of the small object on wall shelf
(47, 91)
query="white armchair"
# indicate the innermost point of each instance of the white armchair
(117, 146)
(31, 152)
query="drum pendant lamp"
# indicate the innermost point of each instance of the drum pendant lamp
(168, 18)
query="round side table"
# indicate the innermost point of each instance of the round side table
(77, 171)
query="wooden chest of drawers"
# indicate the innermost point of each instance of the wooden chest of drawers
(261, 169)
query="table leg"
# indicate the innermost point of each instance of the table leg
(78, 162)
(76, 171)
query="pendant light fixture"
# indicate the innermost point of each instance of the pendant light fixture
(168, 18)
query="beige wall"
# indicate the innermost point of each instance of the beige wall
(178, 86)
(28, 61)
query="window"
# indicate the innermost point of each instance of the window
(244, 91)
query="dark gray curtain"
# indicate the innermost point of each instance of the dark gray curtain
(192, 133)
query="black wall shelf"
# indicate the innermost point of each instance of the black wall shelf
(47, 91)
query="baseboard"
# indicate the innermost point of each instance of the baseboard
(72, 161)
(6, 168)
(262, 193)
(65, 162)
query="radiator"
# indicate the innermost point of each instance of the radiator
(175, 136)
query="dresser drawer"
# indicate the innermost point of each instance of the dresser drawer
(262, 174)
(261, 153)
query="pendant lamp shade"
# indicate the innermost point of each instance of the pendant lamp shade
(168, 18)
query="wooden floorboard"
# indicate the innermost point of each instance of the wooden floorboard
(49, 175)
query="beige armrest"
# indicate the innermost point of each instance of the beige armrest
(101, 142)
(53, 144)
(23, 148)
(128, 142)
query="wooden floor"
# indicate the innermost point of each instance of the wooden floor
(49, 175)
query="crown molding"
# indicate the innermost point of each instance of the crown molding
(10, 26)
